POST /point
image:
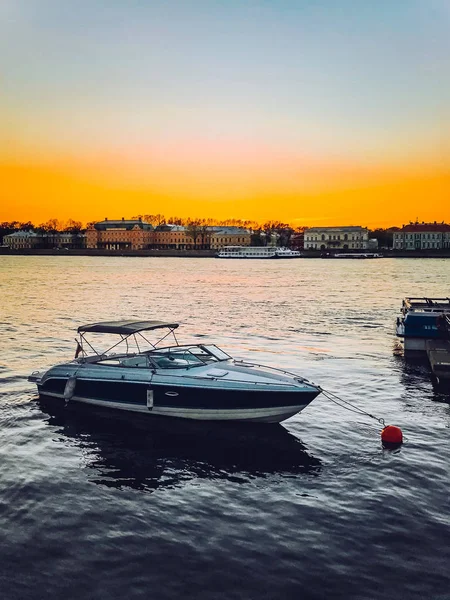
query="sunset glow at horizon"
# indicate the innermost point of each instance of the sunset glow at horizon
(312, 113)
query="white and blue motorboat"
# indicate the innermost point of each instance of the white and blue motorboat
(195, 381)
(422, 319)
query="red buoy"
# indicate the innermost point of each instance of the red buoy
(391, 435)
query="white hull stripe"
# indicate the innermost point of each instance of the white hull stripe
(415, 344)
(269, 414)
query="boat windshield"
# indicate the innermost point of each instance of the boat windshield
(181, 357)
(170, 357)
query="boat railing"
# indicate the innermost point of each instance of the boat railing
(252, 364)
(243, 363)
(426, 302)
(238, 381)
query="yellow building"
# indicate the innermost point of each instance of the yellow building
(120, 235)
(175, 237)
(137, 234)
(229, 236)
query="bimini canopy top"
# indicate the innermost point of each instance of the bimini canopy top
(125, 327)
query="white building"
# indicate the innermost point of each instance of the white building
(422, 236)
(21, 239)
(339, 238)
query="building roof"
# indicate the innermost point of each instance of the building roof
(421, 227)
(217, 230)
(122, 224)
(33, 234)
(22, 234)
(176, 227)
(213, 230)
(343, 228)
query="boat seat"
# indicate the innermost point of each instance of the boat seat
(135, 361)
(167, 363)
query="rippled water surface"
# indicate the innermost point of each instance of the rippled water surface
(311, 509)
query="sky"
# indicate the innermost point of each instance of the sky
(312, 112)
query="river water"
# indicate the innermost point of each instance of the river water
(312, 509)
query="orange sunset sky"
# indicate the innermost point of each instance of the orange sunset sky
(314, 113)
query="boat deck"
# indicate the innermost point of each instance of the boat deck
(426, 304)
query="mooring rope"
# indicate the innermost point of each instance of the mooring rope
(346, 404)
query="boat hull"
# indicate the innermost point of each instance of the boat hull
(418, 328)
(185, 402)
(275, 414)
(414, 344)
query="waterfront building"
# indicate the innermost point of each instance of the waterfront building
(229, 236)
(336, 238)
(175, 237)
(137, 234)
(215, 237)
(422, 236)
(62, 239)
(120, 235)
(26, 240)
(70, 240)
(22, 240)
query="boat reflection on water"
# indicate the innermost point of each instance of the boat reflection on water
(166, 453)
(417, 377)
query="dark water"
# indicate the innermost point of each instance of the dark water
(311, 509)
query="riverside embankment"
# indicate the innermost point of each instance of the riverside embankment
(445, 253)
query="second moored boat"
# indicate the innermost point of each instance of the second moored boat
(422, 319)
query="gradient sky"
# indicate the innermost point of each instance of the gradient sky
(309, 111)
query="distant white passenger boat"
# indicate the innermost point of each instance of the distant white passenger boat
(257, 252)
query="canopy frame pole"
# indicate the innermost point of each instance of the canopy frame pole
(80, 347)
(119, 342)
(136, 342)
(83, 339)
(172, 330)
(144, 338)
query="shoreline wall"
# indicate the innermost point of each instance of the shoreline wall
(101, 252)
(445, 253)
